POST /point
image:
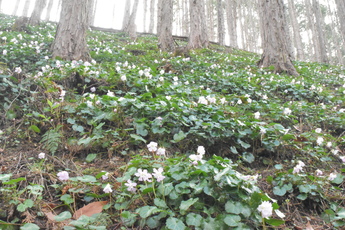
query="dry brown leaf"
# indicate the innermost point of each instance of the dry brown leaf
(90, 209)
(309, 227)
(50, 216)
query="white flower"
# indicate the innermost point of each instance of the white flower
(152, 146)
(266, 209)
(202, 100)
(175, 78)
(318, 172)
(162, 71)
(41, 155)
(110, 94)
(105, 176)
(211, 99)
(222, 100)
(332, 176)
(264, 97)
(239, 101)
(158, 174)
(342, 158)
(123, 78)
(131, 186)
(201, 150)
(297, 169)
(107, 189)
(319, 140)
(160, 151)
(63, 176)
(257, 115)
(143, 175)
(195, 158)
(168, 98)
(18, 70)
(93, 89)
(4, 52)
(318, 130)
(329, 144)
(287, 111)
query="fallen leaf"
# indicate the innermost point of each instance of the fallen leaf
(50, 216)
(309, 227)
(90, 209)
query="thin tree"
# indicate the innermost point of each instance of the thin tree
(70, 39)
(221, 27)
(145, 13)
(198, 37)
(49, 9)
(152, 16)
(296, 31)
(319, 22)
(15, 9)
(341, 16)
(26, 8)
(0, 4)
(231, 15)
(165, 20)
(93, 8)
(130, 27)
(275, 44)
(126, 15)
(37, 13)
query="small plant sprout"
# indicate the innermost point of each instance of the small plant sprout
(107, 189)
(63, 176)
(131, 186)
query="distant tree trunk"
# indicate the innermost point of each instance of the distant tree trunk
(165, 39)
(15, 9)
(70, 39)
(231, 10)
(93, 8)
(198, 37)
(320, 32)
(296, 31)
(49, 9)
(152, 16)
(186, 20)
(288, 34)
(114, 13)
(58, 12)
(0, 4)
(275, 49)
(210, 19)
(37, 13)
(341, 16)
(145, 14)
(130, 28)
(126, 15)
(221, 27)
(26, 8)
(311, 25)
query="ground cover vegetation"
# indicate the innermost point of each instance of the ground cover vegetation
(143, 139)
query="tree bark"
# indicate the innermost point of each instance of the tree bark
(26, 8)
(221, 27)
(15, 9)
(320, 32)
(152, 16)
(210, 19)
(231, 10)
(276, 47)
(341, 16)
(296, 31)
(130, 28)
(145, 13)
(93, 8)
(198, 37)
(70, 39)
(186, 20)
(126, 15)
(37, 13)
(165, 39)
(49, 9)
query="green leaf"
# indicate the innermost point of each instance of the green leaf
(91, 157)
(302, 196)
(249, 157)
(87, 178)
(160, 203)
(186, 204)
(35, 128)
(243, 144)
(29, 226)
(232, 220)
(175, 224)
(279, 191)
(140, 129)
(137, 138)
(274, 222)
(63, 216)
(147, 211)
(15, 181)
(5, 177)
(67, 199)
(193, 219)
(179, 136)
(304, 188)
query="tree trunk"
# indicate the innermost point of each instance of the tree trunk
(37, 13)
(126, 15)
(221, 27)
(152, 16)
(210, 19)
(114, 13)
(49, 9)
(15, 9)
(341, 16)
(0, 4)
(275, 49)
(320, 32)
(296, 31)
(130, 28)
(186, 20)
(198, 37)
(70, 39)
(311, 25)
(26, 8)
(231, 10)
(93, 8)
(145, 13)
(165, 39)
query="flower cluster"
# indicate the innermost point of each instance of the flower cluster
(153, 147)
(299, 167)
(145, 176)
(197, 157)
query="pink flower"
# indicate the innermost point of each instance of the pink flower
(107, 189)
(158, 174)
(342, 158)
(318, 172)
(131, 186)
(143, 175)
(63, 176)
